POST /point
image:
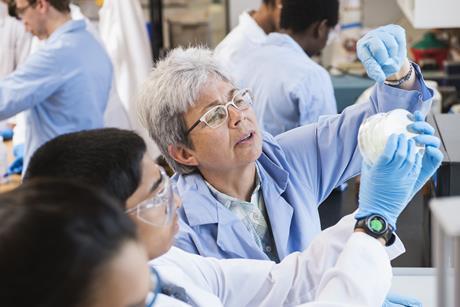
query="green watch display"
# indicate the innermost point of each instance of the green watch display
(376, 226)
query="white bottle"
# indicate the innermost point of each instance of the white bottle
(3, 161)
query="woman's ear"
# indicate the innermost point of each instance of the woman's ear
(182, 155)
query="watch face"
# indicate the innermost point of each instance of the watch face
(377, 224)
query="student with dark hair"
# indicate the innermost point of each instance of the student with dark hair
(63, 244)
(251, 31)
(291, 89)
(64, 86)
(312, 20)
(330, 270)
(108, 158)
(115, 161)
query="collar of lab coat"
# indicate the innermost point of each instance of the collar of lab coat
(202, 208)
(69, 26)
(251, 29)
(281, 39)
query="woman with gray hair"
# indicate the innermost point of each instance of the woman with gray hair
(245, 193)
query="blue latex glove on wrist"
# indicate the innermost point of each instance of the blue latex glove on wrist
(383, 51)
(432, 157)
(395, 300)
(16, 166)
(387, 185)
(7, 134)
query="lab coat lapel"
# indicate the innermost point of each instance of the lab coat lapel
(234, 238)
(202, 208)
(274, 182)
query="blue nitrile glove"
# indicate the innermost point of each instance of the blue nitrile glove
(7, 134)
(383, 51)
(395, 300)
(16, 166)
(387, 185)
(432, 157)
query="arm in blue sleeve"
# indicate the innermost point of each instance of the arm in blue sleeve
(315, 97)
(325, 154)
(30, 84)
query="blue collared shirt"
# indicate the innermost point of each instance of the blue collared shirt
(298, 170)
(253, 215)
(290, 89)
(63, 87)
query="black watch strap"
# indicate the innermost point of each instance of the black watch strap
(377, 226)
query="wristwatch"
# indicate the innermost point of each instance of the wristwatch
(377, 226)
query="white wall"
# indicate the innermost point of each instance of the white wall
(238, 6)
(378, 13)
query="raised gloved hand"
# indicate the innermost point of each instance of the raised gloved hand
(387, 186)
(395, 300)
(383, 51)
(432, 157)
(16, 166)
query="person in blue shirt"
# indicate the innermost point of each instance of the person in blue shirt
(64, 86)
(291, 88)
(247, 194)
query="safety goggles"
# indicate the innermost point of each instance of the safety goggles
(158, 210)
(216, 116)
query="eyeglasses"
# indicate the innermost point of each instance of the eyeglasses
(20, 11)
(155, 288)
(158, 210)
(216, 116)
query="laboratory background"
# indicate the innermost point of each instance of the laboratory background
(132, 35)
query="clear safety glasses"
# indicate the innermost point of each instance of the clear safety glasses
(216, 116)
(20, 11)
(155, 288)
(158, 210)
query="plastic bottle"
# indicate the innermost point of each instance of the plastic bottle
(3, 161)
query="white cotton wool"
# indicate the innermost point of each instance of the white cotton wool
(375, 131)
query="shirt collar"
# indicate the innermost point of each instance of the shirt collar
(69, 26)
(227, 200)
(251, 29)
(282, 39)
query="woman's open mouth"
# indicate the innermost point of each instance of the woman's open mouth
(247, 138)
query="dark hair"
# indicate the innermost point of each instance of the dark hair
(270, 3)
(55, 238)
(62, 6)
(298, 15)
(109, 159)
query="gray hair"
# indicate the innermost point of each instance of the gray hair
(170, 90)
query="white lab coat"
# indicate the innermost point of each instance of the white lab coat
(340, 268)
(243, 38)
(14, 42)
(14, 46)
(124, 33)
